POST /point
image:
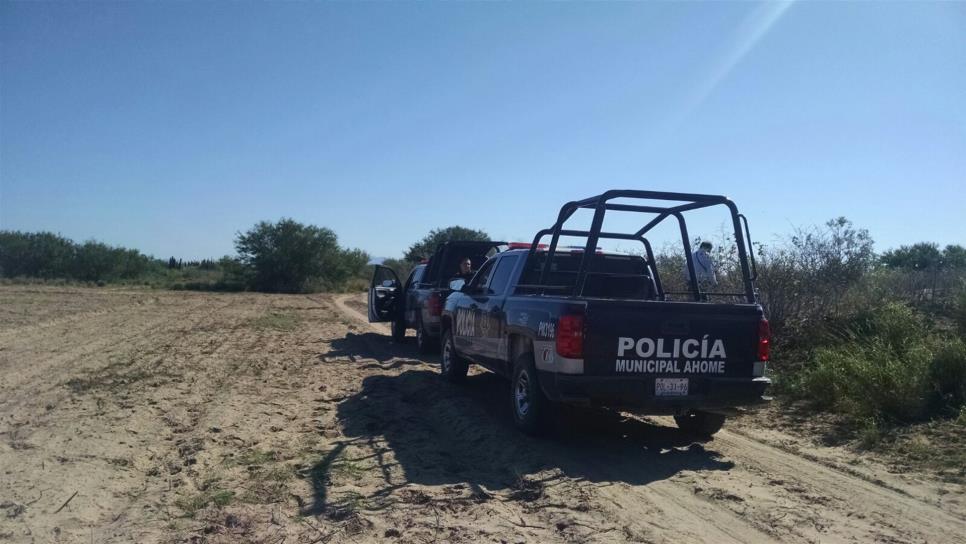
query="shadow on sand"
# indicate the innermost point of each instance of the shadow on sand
(443, 434)
(369, 347)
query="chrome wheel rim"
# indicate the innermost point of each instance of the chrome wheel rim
(419, 334)
(521, 394)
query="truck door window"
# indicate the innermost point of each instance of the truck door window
(501, 276)
(479, 280)
(411, 279)
(417, 277)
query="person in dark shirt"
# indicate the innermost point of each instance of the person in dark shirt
(466, 270)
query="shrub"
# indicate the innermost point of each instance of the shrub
(959, 312)
(873, 364)
(870, 433)
(354, 264)
(809, 277)
(886, 363)
(896, 325)
(947, 377)
(286, 256)
(289, 257)
(869, 380)
(357, 284)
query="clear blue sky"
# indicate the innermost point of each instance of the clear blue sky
(170, 126)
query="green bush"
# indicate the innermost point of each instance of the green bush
(356, 284)
(897, 325)
(289, 257)
(869, 380)
(959, 312)
(887, 363)
(947, 377)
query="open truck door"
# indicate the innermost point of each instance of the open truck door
(385, 294)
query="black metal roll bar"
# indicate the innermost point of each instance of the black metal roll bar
(688, 202)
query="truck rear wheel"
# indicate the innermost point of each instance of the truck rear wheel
(529, 405)
(700, 423)
(452, 366)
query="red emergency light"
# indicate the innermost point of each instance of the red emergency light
(525, 245)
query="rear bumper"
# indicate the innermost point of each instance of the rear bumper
(637, 393)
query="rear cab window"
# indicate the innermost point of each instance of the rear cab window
(608, 276)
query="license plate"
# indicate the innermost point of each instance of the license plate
(670, 387)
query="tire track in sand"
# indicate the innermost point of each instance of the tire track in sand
(769, 495)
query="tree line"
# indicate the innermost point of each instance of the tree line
(277, 257)
(803, 277)
(47, 255)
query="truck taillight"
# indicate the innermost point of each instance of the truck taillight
(764, 340)
(570, 336)
(434, 304)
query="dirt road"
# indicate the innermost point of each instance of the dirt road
(145, 416)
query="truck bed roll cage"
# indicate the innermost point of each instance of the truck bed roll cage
(685, 202)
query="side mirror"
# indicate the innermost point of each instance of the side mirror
(457, 284)
(388, 283)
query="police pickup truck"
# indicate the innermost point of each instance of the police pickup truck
(418, 303)
(585, 327)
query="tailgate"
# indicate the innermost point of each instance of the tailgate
(677, 339)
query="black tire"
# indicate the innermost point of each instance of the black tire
(424, 342)
(451, 365)
(702, 424)
(529, 406)
(398, 329)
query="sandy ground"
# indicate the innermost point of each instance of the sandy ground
(145, 416)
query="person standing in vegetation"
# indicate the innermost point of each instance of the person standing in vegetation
(703, 269)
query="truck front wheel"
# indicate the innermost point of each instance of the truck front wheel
(700, 423)
(452, 366)
(529, 405)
